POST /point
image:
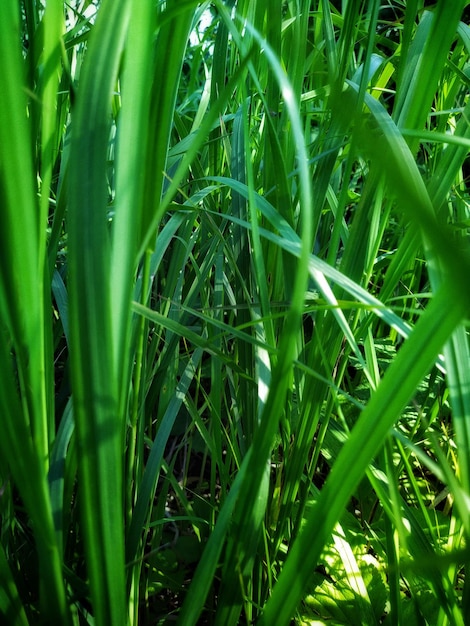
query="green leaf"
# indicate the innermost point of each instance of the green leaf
(99, 426)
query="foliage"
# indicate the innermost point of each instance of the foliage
(233, 304)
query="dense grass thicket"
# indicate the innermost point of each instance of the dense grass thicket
(234, 295)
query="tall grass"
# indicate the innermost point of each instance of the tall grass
(233, 300)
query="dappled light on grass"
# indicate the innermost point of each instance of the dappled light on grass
(233, 312)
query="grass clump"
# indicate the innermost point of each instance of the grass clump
(233, 304)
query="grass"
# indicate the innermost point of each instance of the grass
(233, 304)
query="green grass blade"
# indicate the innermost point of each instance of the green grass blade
(56, 475)
(21, 277)
(11, 607)
(27, 469)
(414, 360)
(99, 426)
(146, 121)
(204, 575)
(386, 148)
(152, 470)
(426, 57)
(457, 358)
(199, 412)
(24, 328)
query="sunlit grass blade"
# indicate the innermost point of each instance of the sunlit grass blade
(457, 351)
(26, 391)
(457, 358)
(145, 125)
(401, 173)
(426, 56)
(414, 360)
(19, 229)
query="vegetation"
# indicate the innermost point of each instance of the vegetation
(233, 312)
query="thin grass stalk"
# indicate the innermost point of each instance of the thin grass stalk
(50, 70)
(132, 140)
(135, 436)
(242, 255)
(152, 469)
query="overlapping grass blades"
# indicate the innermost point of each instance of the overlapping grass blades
(233, 312)
(405, 183)
(103, 270)
(26, 358)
